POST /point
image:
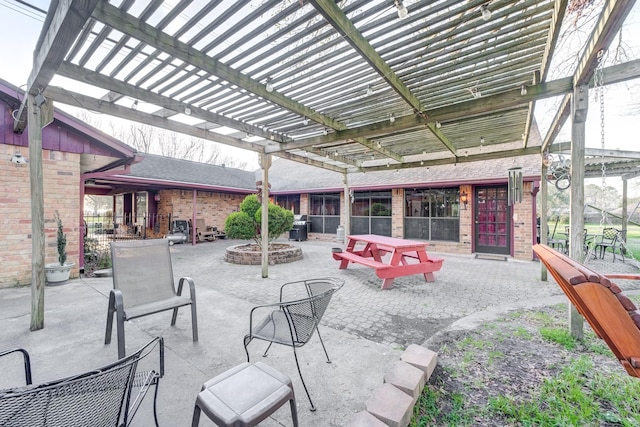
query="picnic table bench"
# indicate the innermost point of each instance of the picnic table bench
(398, 264)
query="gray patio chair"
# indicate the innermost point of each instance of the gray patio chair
(107, 396)
(294, 319)
(610, 239)
(143, 284)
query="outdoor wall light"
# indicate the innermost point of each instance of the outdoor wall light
(392, 118)
(19, 159)
(269, 85)
(463, 199)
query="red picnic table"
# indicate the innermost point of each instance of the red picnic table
(407, 257)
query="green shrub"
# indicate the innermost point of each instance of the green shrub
(246, 224)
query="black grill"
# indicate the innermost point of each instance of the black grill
(300, 228)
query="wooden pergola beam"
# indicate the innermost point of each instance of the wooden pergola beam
(336, 17)
(614, 13)
(64, 25)
(105, 82)
(463, 110)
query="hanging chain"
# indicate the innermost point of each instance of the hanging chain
(599, 86)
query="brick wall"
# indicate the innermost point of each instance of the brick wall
(61, 173)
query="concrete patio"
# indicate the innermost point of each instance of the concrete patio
(365, 329)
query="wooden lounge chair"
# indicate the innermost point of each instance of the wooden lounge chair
(611, 315)
(107, 396)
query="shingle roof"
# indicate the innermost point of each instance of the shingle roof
(188, 172)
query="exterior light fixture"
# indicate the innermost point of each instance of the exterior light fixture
(369, 90)
(392, 118)
(305, 121)
(18, 159)
(421, 162)
(481, 140)
(269, 85)
(438, 125)
(325, 132)
(134, 106)
(402, 9)
(523, 90)
(486, 13)
(388, 164)
(463, 199)
(187, 111)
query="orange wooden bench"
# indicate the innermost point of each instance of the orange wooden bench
(611, 314)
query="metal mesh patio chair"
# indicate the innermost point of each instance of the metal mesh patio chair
(294, 319)
(107, 396)
(143, 284)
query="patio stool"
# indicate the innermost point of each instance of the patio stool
(244, 396)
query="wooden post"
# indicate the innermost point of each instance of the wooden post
(624, 210)
(37, 214)
(347, 208)
(580, 107)
(544, 206)
(265, 164)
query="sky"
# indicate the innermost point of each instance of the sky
(20, 28)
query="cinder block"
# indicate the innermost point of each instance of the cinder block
(365, 419)
(391, 406)
(422, 358)
(407, 378)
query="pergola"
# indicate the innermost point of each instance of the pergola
(349, 86)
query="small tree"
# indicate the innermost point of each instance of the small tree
(61, 240)
(246, 224)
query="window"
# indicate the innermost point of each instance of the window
(371, 213)
(324, 213)
(432, 214)
(288, 201)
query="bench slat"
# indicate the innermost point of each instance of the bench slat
(352, 257)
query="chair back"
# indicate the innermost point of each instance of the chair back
(609, 235)
(96, 398)
(200, 224)
(305, 314)
(142, 271)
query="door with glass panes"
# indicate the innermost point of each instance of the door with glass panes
(492, 221)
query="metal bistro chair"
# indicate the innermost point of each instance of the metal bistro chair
(107, 396)
(294, 319)
(143, 284)
(609, 239)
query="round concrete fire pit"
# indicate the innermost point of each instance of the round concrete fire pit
(249, 254)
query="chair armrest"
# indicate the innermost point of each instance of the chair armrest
(26, 360)
(192, 287)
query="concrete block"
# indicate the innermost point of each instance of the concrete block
(422, 358)
(391, 406)
(407, 378)
(365, 419)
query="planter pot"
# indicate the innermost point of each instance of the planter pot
(56, 273)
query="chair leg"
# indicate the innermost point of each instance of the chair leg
(268, 347)
(294, 412)
(120, 331)
(194, 321)
(110, 310)
(295, 356)
(323, 347)
(196, 416)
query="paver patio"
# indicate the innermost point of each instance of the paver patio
(365, 328)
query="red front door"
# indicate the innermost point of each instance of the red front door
(492, 221)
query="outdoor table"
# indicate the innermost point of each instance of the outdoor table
(407, 257)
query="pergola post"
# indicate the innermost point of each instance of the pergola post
(265, 164)
(580, 107)
(544, 205)
(347, 208)
(34, 124)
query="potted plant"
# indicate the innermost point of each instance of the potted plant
(59, 271)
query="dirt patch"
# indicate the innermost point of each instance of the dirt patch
(507, 357)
